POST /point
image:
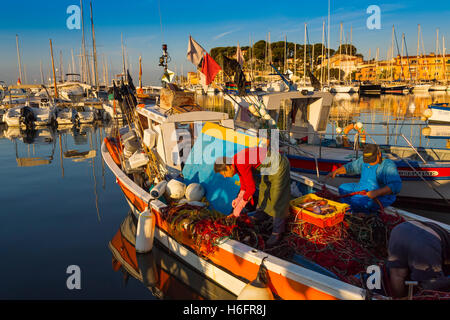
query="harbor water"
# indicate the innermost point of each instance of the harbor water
(60, 205)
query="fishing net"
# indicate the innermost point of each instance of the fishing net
(204, 228)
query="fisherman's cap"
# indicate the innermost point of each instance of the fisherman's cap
(370, 153)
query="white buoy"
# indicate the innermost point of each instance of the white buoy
(159, 189)
(195, 192)
(358, 125)
(338, 130)
(145, 231)
(175, 189)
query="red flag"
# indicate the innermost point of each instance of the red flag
(210, 68)
(19, 82)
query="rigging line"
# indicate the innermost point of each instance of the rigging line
(160, 21)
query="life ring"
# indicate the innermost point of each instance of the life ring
(352, 126)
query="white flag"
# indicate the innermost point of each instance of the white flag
(239, 55)
(195, 52)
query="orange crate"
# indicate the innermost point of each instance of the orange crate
(321, 221)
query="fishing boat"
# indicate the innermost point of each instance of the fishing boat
(173, 140)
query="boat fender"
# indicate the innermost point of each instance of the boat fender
(426, 131)
(427, 113)
(175, 189)
(159, 189)
(257, 289)
(145, 231)
(195, 192)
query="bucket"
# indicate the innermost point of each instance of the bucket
(145, 231)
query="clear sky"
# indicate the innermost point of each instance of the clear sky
(212, 23)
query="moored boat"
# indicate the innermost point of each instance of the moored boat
(231, 263)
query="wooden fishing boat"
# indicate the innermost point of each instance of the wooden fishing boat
(232, 264)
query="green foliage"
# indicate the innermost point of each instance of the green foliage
(278, 52)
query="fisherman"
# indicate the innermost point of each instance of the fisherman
(271, 171)
(418, 251)
(379, 179)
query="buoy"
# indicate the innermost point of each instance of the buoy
(427, 113)
(267, 117)
(194, 192)
(338, 130)
(358, 125)
(145, 231)
(175, 189)
(426, 131)
(272, 122)
(159, 189)
(257, 289)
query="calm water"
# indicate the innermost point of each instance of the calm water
(63, 211)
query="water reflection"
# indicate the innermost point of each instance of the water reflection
(163, 274)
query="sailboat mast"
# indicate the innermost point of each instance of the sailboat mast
(304, 59)
(323, 48)
(392, 54)
(340, 53)
(328, 56)
(418, 46)
(18, 58)
(61, 75)
(42, 74)
(53, 68)
(123, 56)
(94, 49)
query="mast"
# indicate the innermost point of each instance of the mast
(392, 54)
(436, 55)
(443, 59)
(304, 59)
(417, 60)
(123, 56)
(85, 74)
(61, 77)
(328, 56)
(42, 74)
(323, 48)
(94, 50)
(53, 68)
(376, 65)
(285, 54)
(73, 63)
(18, 58)
(340, 53)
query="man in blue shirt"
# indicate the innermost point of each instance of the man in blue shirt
(379, 178)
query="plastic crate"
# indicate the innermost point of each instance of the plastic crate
(321, 221)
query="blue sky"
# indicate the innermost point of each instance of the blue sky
(212, 23)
